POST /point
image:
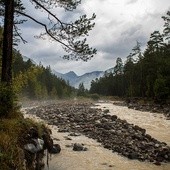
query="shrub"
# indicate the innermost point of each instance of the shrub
(95, 96)
(7, 100)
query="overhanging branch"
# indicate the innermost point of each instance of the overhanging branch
(18, 34)
(48, 12)
(54, 16)
(46, 29)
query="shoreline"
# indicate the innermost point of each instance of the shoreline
(145, 107)
(100, 127)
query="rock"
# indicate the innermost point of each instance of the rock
(79, 147)
(155, 108)
(67, 138)
(113, 117)
(157, 163)
(30, 148)
(39, 143)
(133, 155)
(56, 139)
(68, 146)
(34, 144)
(106, 111)
(113, 133)
(74, 134)
(139, 129)
(63, 130)
(56, 149)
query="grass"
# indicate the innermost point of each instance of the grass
(12, 140)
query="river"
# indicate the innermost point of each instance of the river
(99, 158)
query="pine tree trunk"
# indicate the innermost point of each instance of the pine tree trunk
(7, 43)
(6, 88)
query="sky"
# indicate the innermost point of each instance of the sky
(118, 25)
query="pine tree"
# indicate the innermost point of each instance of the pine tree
(67, 34)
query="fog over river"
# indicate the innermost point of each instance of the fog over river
(99, 158)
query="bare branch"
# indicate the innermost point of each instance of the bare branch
(18, 34)
(46, 29)
(67, 34)
(68, 5)
(48, 12)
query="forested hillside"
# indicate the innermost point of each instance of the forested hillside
(36, 81)
(144, 74)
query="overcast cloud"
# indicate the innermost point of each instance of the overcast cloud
(119, 24)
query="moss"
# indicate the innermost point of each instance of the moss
(12, 140)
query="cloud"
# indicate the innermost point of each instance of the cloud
(118, 26)
(131, 2)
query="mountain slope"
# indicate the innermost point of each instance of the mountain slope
(87, 78)
(74, 80)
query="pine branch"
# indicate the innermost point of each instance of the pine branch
(18, 34)
(46, 29)
(48, 12)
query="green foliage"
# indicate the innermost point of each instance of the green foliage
(142, 75)
(12, 141)
(81, 90)
(71, 35)
(161, 90)
(156, 42)
(37, 82)
(94, 96)
(8, 97)
(32, 81)
(118, 69)
(166, 30)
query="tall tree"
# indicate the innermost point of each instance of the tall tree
(148, 76)
(118, 69)
(136, 51)
(81, 90)
(6, 91)
(7, 42)
(167, 26)
(156, 42)
(69, 35)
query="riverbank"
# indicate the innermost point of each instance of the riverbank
(23, 142)
(112, 132)
(146, 106)
(15, 134)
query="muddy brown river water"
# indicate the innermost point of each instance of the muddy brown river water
(99, 158)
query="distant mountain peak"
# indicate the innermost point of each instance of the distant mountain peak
(72, 73)
(74, 80)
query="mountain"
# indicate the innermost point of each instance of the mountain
(74, 80)
(26, 59)
(70, 76)
(87, 78)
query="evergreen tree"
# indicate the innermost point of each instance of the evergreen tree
(81, 90)
(166, 30)
(67, 34)
(118, 69)
(144, 75)
(155, 43)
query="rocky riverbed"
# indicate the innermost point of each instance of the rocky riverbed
(112, 132)
(136, 104)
